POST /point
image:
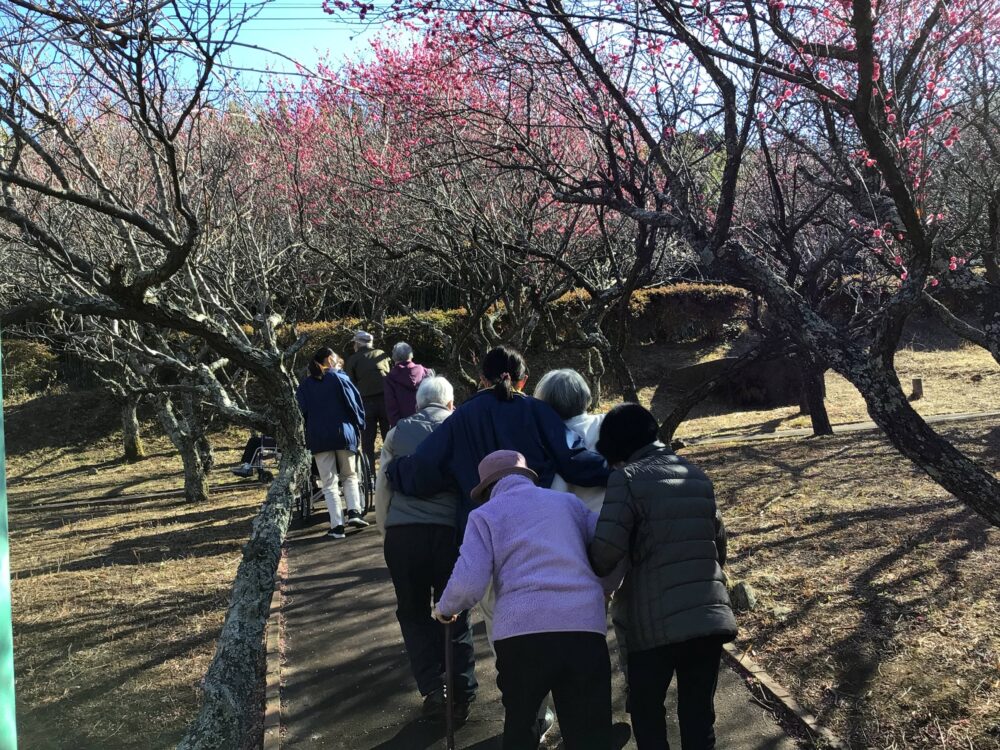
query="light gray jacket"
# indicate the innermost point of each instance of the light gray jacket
(393, 508)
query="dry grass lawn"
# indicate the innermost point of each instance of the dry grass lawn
(957, 379)
(116, 607)
(879, 606)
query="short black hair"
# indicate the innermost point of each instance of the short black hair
(624, 430)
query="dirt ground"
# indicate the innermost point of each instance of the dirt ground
(878, 597)
(116, 607)
(957, 379)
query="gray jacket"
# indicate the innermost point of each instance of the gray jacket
(393, 508)
(660, 511)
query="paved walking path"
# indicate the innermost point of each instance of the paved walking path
(345, 680)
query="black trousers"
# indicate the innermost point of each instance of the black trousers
(376, 420)
(420, 558)
(253, 444)
(575, 668)
(649, 674)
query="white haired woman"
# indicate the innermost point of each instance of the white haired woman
(567, 392)
(421, 546)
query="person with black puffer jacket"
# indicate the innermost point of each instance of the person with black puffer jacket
(660, 513)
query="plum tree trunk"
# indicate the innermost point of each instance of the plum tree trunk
(814, 397)
(872, 373)
(915, 439)
(231, 680)
(132, 444)
(178, 427)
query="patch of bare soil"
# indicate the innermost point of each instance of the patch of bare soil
(878, 591)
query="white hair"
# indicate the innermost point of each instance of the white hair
(566, 391)
(434, 390)
(402, 352)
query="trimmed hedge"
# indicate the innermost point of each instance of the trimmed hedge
(28, 367)
(667, 314)
(417, 330)
(676, 313)
(673, 314)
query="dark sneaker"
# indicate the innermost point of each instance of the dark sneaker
(337, 532)
(460, 713)
(434, 705)
(243, 470)
(354, 519)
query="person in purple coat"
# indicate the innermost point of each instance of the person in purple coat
(549, 623)
(400, 385)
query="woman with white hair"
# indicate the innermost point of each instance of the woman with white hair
(568, 394)
(402, 382)
(421, 547)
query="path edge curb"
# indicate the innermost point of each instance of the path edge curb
(805, 721)
(272, 675)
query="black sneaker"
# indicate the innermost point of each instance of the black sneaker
(337, 532)
(460, 713)
(434, 705)
(243, 470)
(354, 519)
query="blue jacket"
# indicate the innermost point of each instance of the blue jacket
(333, 412)
(483, 424)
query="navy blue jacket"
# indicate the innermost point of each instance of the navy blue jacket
(483, 424)
(333, 412)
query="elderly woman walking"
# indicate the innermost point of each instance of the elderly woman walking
(420, 551)
(568, 394)
(401, 384)
(660, 514)
(550, 621)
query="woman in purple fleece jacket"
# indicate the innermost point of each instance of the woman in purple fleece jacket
(549, 624)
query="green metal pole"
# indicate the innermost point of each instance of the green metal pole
(8, 725)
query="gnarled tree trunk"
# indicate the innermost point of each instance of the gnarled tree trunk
(232, 676)
(914, 438)
(178, 428)
(814, 396)
(132, 444)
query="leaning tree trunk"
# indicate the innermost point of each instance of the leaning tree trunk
(232, 678)
(914, 438)
(178, 428)
(879, 385)
(814, 396)
(131, 437)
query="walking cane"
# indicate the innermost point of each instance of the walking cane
(449, 697)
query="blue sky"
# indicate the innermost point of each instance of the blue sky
(301, 30)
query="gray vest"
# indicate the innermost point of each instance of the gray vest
(439, 509)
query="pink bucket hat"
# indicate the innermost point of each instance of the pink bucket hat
(496, 466)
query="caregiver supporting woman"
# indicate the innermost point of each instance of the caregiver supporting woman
(499, 417)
